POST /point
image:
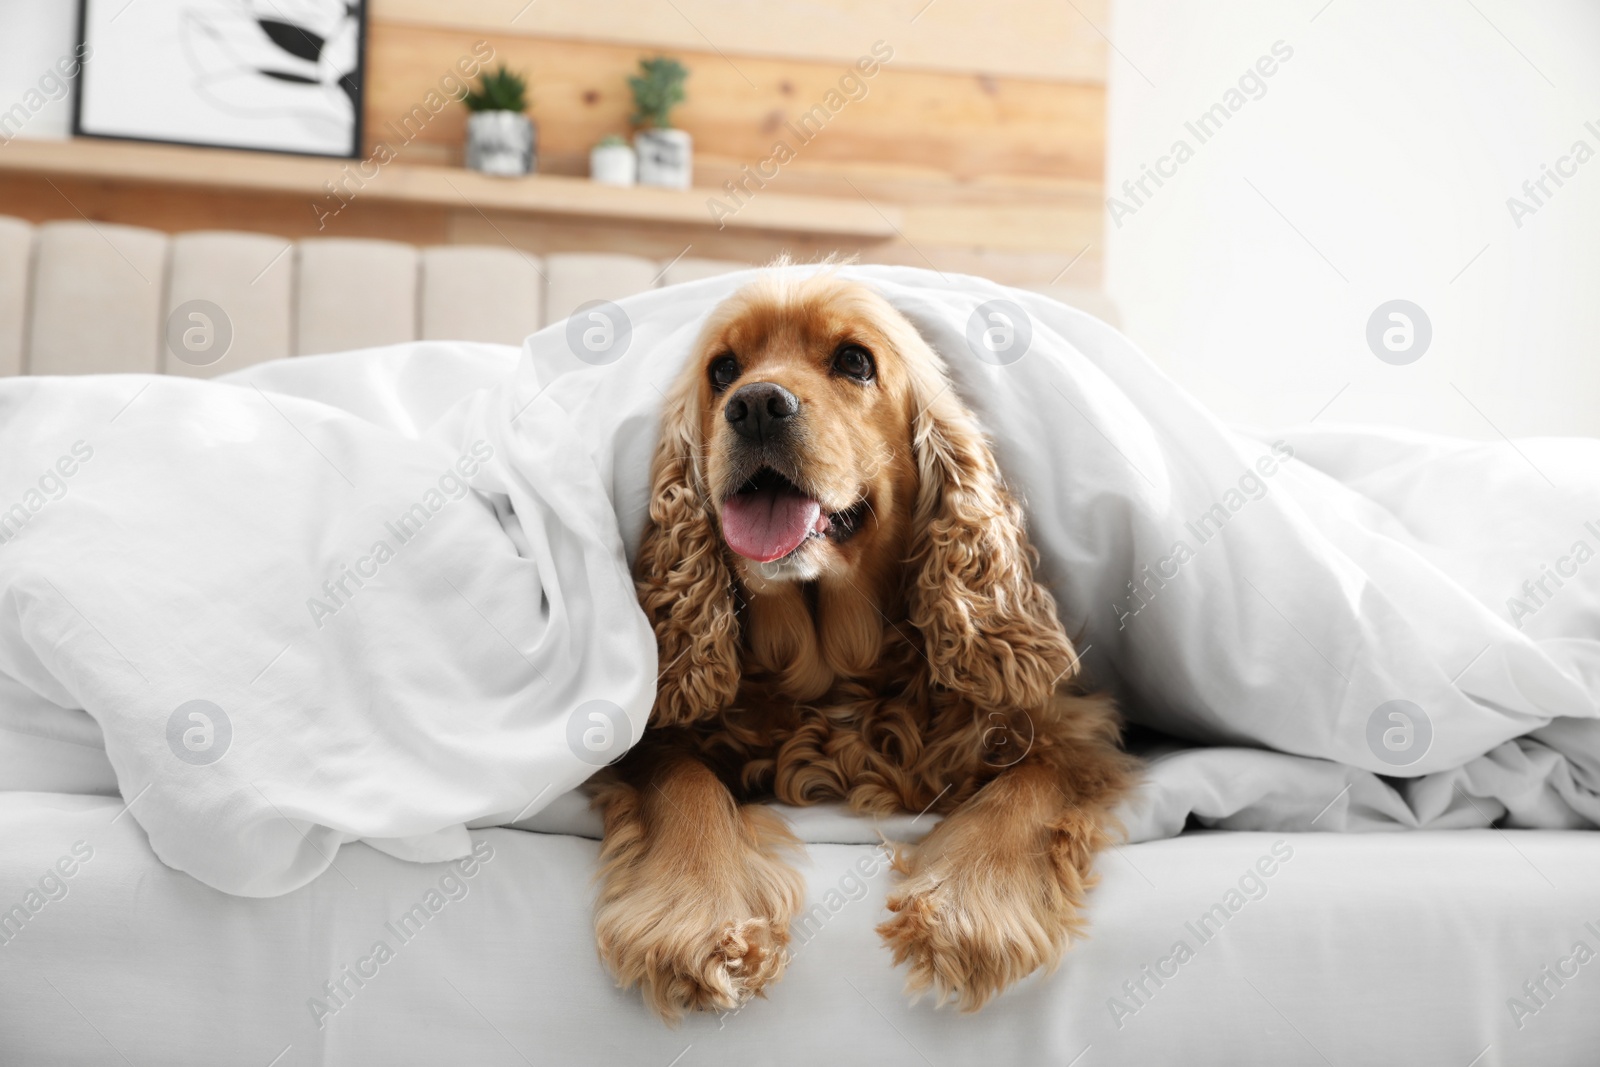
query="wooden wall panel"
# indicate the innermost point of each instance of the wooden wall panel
(958, 127)
(1038, 39)
(983, 136)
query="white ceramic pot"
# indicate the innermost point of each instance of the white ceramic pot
(666, 157)
(502, 143)
(613, 164)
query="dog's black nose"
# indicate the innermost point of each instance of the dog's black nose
(758, 410)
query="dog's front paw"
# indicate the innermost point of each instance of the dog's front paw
(703, 936)
(965, 946)
(683, 959)
(977, 914)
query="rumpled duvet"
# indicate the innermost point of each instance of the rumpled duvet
(383, 595)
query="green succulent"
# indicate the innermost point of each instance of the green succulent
(611, 140)
(657, 89)
(498, 90)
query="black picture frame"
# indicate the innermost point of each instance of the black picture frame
(352, 83)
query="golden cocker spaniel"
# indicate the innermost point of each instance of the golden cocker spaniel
(843, 596)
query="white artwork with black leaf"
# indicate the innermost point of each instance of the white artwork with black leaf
(283, 75)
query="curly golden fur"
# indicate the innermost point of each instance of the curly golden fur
(902, 659)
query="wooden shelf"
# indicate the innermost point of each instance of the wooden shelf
(436, 186)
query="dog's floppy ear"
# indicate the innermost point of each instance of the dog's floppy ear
(682, 577)
(991, 631)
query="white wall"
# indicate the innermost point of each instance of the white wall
(1391, 140)
(35, 35)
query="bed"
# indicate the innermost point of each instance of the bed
(1460, 947)
(1371, 948)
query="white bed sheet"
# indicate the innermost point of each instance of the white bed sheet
(1364, 948)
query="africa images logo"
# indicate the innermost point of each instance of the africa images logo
(199, 732)
(1251, 486)
(1399, 732)
(451, 486)
(51, 486)
(1138, 992)
(1251, 85)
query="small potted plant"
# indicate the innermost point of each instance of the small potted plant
(665, 154)
(501, 138)
(612, 162)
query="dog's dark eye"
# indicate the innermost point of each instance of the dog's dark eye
(853, 361)
(723, 372)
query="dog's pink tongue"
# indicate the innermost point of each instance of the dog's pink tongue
(768, 524)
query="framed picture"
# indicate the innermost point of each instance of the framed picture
(269, 75)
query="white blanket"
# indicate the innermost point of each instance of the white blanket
(296, 628)
(1362, 629)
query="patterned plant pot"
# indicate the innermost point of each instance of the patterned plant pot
(666, 157)
(502, 143)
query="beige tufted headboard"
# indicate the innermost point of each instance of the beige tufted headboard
(80, 297)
